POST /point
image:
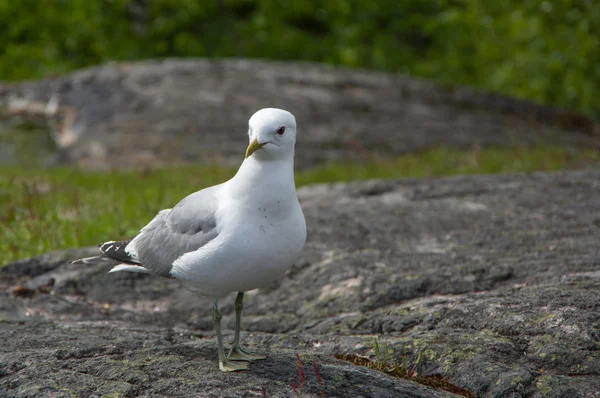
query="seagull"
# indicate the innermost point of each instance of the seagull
(233, 237)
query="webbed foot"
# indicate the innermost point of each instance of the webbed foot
(231, 366)
(239, 354)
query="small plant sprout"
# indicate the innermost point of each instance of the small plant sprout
(381, 358)
(319, 379)
(297, 388)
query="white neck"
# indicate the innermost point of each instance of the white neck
(270, 176)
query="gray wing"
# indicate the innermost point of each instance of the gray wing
(173, 232)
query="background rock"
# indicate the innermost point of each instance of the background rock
(172, 111)
(490, 281)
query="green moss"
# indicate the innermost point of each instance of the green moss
(429, 354)
(410, 277)
(517, 380)
(403, 311)
(543, 385)
(50, 209)
(539, 343)
(424, 350)
(111, 395)
(451, 357)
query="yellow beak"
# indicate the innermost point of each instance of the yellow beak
(253, 147)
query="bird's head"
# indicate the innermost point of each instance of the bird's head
(272, 134)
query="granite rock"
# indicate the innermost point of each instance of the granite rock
(490, 281)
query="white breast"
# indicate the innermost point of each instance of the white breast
(255, 245)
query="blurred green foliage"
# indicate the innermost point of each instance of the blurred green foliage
(546, 50)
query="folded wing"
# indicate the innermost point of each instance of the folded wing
(173, 232)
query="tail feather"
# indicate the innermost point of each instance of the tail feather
(116, 252)
(130, 268)
(94, 260)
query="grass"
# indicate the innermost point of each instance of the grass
(50, 209)
(384, 362)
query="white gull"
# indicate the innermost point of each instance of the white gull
(236, 236)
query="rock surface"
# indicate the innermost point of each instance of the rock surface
(491, 281)
(164, 112)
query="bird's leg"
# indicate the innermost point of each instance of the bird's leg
(237, 353)
(224, 364)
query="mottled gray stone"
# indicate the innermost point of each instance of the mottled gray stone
(490, 281)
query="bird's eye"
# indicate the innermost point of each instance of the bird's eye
(281, 130)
